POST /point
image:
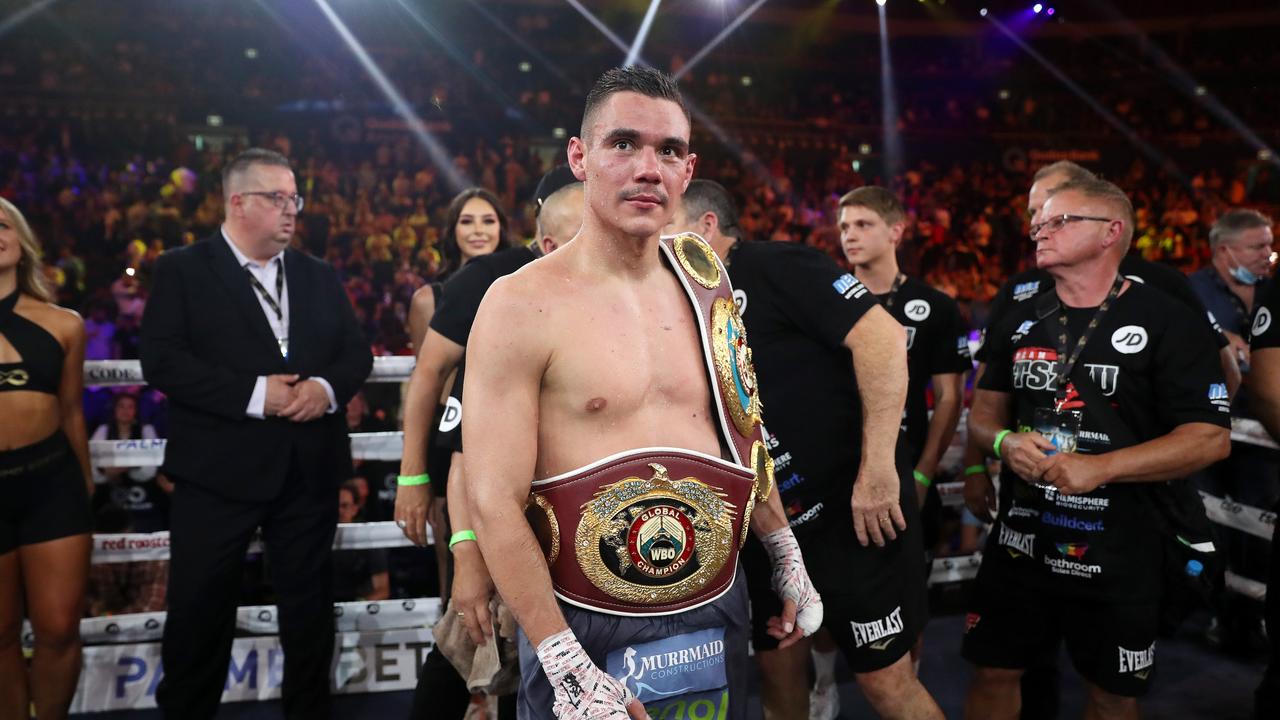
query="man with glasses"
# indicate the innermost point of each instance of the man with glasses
(257, 348)
(1093, 394)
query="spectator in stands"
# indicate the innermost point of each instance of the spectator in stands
(139, 491)
(100, 330)
(45, 519)
(120, 588)
(358, 574)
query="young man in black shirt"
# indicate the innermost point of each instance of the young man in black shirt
(871, 222)
(1092, 395)
(1264, 388)
(833, 446)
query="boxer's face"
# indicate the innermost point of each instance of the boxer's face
(635, 161)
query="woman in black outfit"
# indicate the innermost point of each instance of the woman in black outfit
(45, 479)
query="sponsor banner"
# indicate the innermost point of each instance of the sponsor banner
(955, 569)
(951, 493)
(671, 667)
(127, 453)
(114, 373)
(1247, 587)
(125, 677)
(130, 547)
(391, 368)
(387, 446)
(1251, 432)
(260, 620)
(1245, 518)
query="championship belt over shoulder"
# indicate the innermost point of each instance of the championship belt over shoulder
(656, 531)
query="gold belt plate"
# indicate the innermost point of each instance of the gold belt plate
(654, 541)
(734, 369)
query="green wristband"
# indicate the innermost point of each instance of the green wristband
(411, 480)
(921, 478)
(462, 536)
(975, 470)
(999, 438)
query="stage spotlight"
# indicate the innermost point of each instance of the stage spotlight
(746, 81)
(881, 2)
(1202, 90)
(1050, 11)
(983, 12)
(251, 53)
(526, 66)
(1004, 94)
(558, 133)
(213, 121)
(1037, 8)
(865, 148)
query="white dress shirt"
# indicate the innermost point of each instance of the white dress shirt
(266, 275)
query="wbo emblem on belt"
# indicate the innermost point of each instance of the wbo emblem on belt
(654, 541)
(733, 366)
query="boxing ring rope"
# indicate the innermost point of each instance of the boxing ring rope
(381, 643)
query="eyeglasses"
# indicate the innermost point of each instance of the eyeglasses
(1057, 223)
(279, 199)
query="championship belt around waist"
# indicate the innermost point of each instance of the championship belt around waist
(647, 532)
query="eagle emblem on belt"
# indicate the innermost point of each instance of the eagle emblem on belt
(655, 540)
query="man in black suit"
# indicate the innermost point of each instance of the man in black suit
(258, 350)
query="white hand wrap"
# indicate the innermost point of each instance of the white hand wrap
(791, 580)
(583, 691)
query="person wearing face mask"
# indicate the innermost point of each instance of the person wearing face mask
(1232, 287)
(1239, 272)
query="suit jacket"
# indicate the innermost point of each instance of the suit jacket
(205, 341)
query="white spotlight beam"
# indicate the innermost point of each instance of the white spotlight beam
(642, 34)
(719, 38)
(21, 16)
(1181, 79)
(704, 119)
(888, 104)
(604, 29)
(439, 156)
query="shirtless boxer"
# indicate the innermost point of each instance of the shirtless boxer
(593, 382)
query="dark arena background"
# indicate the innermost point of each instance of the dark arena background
(117, 116)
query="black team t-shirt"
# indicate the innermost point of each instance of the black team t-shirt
(1264, 332)
(1028, 284)
(455, 313)
(1154, 361)
(798, 305)
(937, 344)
